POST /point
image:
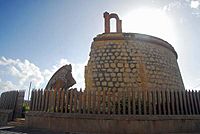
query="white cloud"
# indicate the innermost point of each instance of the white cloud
(180, 4)
(23, 71)
(194, 4)
(6, 86)
(175, 4)
(20, 73)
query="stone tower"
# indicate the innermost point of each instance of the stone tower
(130, 60)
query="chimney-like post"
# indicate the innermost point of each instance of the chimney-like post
(107, 22)
(107, 18)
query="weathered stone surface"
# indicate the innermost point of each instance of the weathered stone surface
(62, 78)
(104, 83)
(110, 84)
(92, 123)
(124, 58)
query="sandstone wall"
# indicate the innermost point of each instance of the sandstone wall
(106, 124)
(127, 60)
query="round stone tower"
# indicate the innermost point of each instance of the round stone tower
(131, 60)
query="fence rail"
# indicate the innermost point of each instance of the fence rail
(127, 102)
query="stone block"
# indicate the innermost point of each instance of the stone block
(120, 79)
(128, 70)
(113, 65)
(116, 70)
(119, 74)
(113, 75)
(100, 74)
(117, 84)
(106, 74)
(116, 53)
(110, 84)
(104, 83)
(126, 65)
(114, 79)
(112, 57)
(97, 83)
(106, 65)
(107, 78)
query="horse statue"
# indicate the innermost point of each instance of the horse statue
(61, 79)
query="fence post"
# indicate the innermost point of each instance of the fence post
(181, 101)
(185, 102)
(62, 100)
(168, 102)
(36, 103)
(198, 102)
(84, 101)
(46, 100)
(172, 101)
(94, 101)
(114, 101)
(154, 102)
(129, 100)
(124, 101)
(57, 108)
(192, 101)
(99, 101)
(71, 100)
(149, 102)
(177, 102)
(145, 102)
(109, 101)
(54, 101)
(104, 101)
(80, 101)
(195, 102)
(43, 100)
(89, 101)
(188, 102)
(164, 102)
(50, 100)
(118, 101)
(67, 101)
(32, 100)
(139, 101)
(159, 101)
(39, 99)
(75, 101)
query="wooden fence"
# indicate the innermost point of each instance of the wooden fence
(128, 102)
(8, 100)
(13, 101)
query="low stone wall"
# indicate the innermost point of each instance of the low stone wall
(114, 124)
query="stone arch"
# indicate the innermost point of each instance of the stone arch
(107, 18)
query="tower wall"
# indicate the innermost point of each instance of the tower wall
(130, 60)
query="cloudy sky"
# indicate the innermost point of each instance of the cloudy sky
(37, 37)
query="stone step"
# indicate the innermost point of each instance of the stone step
(17, 122)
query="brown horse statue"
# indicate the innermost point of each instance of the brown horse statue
(62, 78)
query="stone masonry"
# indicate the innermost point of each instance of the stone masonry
(130, 60)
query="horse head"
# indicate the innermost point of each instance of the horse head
(62, 78)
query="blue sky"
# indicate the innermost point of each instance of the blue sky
(37, 37)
